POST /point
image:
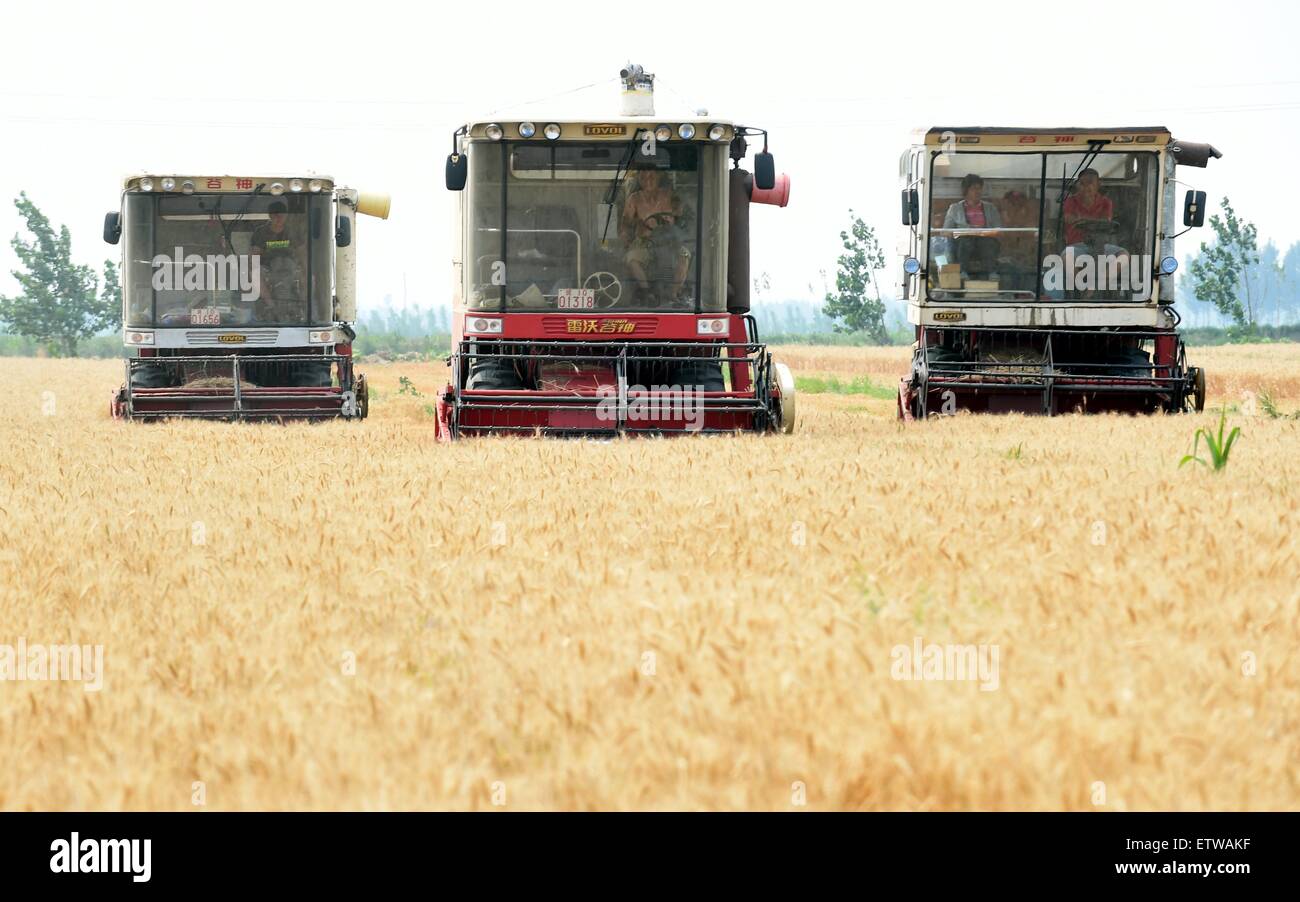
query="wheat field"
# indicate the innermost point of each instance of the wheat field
(351, 616)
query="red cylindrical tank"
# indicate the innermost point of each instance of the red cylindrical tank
(778, 195)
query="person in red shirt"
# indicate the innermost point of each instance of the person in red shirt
(1086, 203)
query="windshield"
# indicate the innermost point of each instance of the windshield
(1046, 226)
(222, 260)
(595, 226)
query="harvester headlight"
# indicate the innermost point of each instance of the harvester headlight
(295, 185)
(169, 184)
(686, 131)
(187, 187)
(527, 129)
(146, 184)
(314, 186)
(323, 336)
(551, 132)
(484, 325)
(139, 338)
(277, 189)
(911, 266)
(495, 132)
(710, 326)
(1168, 265)
(663, 133)
(717, 132)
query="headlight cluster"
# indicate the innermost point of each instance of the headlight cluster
(495, 131)
(170, 183)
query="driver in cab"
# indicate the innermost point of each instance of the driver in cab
(646, 228)
(1086, 204)
(280, 250)
(1089, 220)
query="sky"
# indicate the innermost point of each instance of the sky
(370, 94)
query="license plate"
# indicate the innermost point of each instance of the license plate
(205, 316)
(577, 299)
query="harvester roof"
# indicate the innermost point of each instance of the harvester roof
(307, 182)
(1000, 135)
(601, 128)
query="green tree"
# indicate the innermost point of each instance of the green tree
(1220, 272)
(61, 301)
(855, 304)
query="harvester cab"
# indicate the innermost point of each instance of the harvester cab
(601, 272)
(239, 295)
(1039, 270)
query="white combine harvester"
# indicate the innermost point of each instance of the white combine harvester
(1039, 270)
(238, 296)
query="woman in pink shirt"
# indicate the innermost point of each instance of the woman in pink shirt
(977, 254)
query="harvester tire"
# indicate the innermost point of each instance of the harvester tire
(363, 397)
(785, 382)
(1198, 388)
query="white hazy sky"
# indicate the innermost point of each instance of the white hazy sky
(370, 92)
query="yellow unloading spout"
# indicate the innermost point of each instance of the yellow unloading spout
(376, 205)
(350, 203)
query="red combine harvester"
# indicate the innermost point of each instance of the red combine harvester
(238, 297)
(1039, 271)
(602, 277)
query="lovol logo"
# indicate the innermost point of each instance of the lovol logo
(606, 130)
(232, 339)
(950, 315)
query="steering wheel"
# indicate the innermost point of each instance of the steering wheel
(655, 220)
(606, 286)
(1097, 226)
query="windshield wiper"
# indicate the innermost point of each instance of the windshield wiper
(623, 166)
(239, 217)
(1094, 148)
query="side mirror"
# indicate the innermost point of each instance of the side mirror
(112, 227)
(911, 207)
(342, 231)
(1194, 209)
(457, 171)
(764, 171)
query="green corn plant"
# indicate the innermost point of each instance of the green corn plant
(408, 388)
(1218, 447)
(1014, 453)
(1268, 404)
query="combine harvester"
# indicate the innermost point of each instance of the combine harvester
(601, 271)
(238, 297)
(1039, 271)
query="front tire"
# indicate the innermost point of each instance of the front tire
(363, 398)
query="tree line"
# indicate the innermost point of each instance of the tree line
(61, 303)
